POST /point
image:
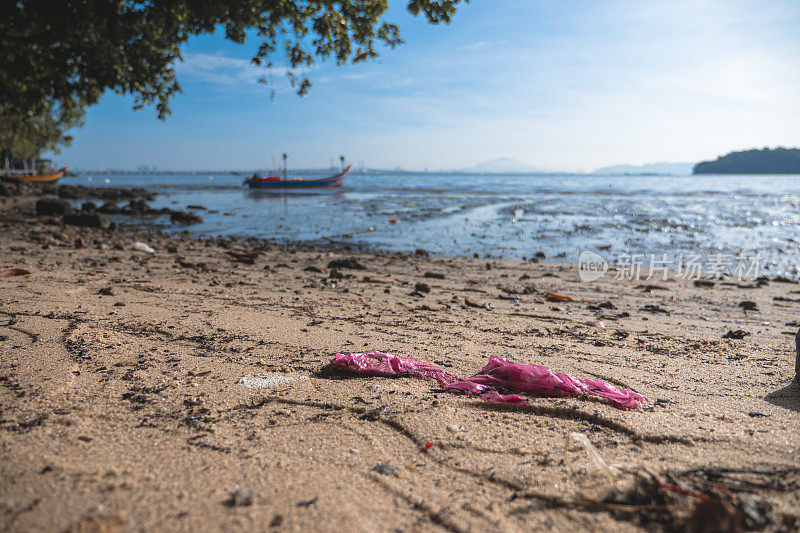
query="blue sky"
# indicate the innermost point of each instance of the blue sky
(560, 85)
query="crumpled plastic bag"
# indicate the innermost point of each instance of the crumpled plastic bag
(499, 373)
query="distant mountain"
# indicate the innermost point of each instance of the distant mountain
(764, 161)
(683, 169)
(503, 164)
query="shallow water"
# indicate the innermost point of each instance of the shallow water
(505, 216)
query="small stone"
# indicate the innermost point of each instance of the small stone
(350, 263)
(737, 335)
(387, 469)
(747, 305)
(422, 287)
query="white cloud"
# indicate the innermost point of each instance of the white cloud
(219, 69)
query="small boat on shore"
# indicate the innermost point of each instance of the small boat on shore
(275, 182)
(32, 177)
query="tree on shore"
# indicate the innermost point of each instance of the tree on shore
(765, 161)
(58, 58)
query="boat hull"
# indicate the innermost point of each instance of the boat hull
(38, 178)
(324, 183)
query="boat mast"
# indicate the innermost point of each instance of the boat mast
(284, 166)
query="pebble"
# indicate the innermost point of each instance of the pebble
(387, 469)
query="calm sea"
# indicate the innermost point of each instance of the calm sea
(678, 217)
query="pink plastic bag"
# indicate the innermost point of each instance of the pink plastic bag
(499, 373)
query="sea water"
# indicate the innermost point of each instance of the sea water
(506, 216)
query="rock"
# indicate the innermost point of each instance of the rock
(748, 306)
(94, 220)
(422, 287)
(335, 274)
(89, 207)
(184, 217)
(136, 207)
(53, 206)
(106, 291)
(433, 275)
(198, 207)
(71, 192)
(351, 263)
(109, 208)
(738, 334)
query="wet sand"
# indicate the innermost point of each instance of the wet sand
(122, 405)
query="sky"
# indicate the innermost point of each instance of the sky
(563, 86)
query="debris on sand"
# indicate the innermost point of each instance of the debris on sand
(797, 360)
(651, 308)
(10, 272)
(141, 247)
(498, 375)
(240, 498)
(248, 258)
(272, 380)
(469, 302)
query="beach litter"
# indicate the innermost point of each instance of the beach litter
(529, 379)
(553, 297)
(273, 380)
(240, 498)
(10, 272)
(141, 247)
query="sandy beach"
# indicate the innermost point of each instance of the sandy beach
(127, 398)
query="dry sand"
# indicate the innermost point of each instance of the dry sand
(123, 403)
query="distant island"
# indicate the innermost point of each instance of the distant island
(503, 164)
(652, 169)
(764, 161)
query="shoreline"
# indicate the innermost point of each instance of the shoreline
(734, 231)
(125, 397)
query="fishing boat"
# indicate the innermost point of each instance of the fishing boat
(32, 176)
(275, 182)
